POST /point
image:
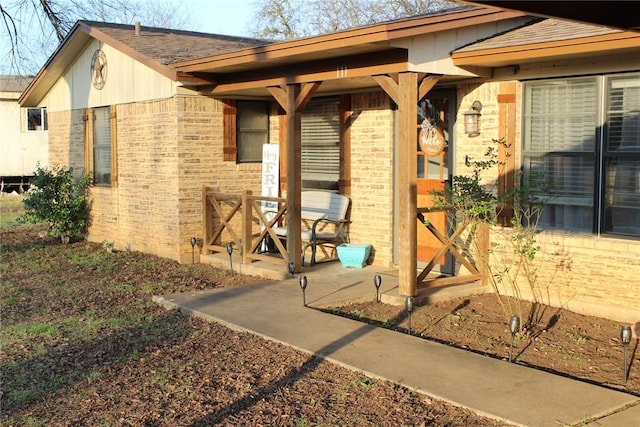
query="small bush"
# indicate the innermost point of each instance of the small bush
(58, 200)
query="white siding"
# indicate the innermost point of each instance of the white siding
(431, 53)
(127, 81)
(20, 150)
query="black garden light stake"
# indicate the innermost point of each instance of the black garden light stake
(303, 286)
(292, 268)
(408, 303)
(193, 247)
(377, 281)
(230, 252)
(514, 327)
(625, 337)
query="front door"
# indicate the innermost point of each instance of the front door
(436, 110)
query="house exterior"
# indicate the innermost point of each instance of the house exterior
(156, 114)
(24, 142)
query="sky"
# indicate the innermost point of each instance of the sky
(230, 17)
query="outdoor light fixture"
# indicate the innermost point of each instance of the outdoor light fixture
(472, 119)
(303, 286)
(514, 327)
(292, 268)
(625, 337)
(377, 281)
(193, 246)
(230, 251)
(408, 303)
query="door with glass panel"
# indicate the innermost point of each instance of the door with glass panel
(435, 112)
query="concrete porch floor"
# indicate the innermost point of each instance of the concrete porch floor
(344, 284)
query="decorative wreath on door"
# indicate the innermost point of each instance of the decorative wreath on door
(431, 138)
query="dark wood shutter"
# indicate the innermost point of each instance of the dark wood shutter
(230, 148)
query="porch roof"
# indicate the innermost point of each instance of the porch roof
(344, 60)
(547, 39)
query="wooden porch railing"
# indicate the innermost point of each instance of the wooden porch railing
(240, 220)
(459, 249)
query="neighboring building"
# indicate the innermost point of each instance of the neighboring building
(24, 141)
(156, 114)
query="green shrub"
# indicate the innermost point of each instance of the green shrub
(59, 200)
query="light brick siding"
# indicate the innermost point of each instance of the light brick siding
(372, 175)
(583, 273)
(66, 139)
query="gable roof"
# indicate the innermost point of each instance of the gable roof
(154, 47)
(166, 45)
(611, 13)
(545, 39)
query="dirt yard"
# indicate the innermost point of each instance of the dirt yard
(84, 345)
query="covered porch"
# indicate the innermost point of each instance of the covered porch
(391, 57)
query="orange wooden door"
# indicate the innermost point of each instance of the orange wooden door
(433, 173)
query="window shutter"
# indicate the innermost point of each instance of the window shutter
(230, 148)
(321, 144)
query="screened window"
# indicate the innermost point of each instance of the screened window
(252, 126)
(583, 135)
(321, 144)
(36, 119)
(101, 146)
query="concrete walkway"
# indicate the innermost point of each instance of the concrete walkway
(491, 387)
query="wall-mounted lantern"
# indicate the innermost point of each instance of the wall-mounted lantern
(472, 119)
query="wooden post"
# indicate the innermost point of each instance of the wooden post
(407, 188)
(294, 177)
(483, 251)
(207, 220)
(247, 225)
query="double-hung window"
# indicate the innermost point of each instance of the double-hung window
(583, 135)
(101, 145)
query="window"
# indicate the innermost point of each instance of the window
(100, 135)
(36, 119)
(321, 144)
(252, 127)
(583, 135)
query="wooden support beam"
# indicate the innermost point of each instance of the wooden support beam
(426, 85)
(407, 179)
(294, 175)
(293, 99)
(390, 87)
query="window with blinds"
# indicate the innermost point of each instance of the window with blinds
(622, 156)
(321, 144)
(101, 146)
(583, 136)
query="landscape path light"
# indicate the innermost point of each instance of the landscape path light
(193, 248)
(625, 337)
(303, 286)
(230, 252)
(292, 268)
(377, 281)
(514, 327)
(408, 303)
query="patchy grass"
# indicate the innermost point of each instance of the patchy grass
(83, 344)
(11, 207)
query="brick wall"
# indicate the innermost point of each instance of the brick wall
(372, 175)
(580, 272)
(66, 139)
